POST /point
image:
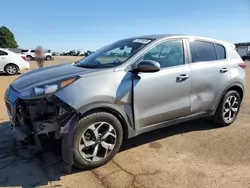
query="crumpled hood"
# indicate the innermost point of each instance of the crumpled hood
(48, 74)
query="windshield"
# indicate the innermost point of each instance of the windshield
(114, 54)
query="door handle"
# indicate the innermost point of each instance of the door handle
(223, 70)
(183, 77)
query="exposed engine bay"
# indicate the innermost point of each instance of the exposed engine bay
(43, 116)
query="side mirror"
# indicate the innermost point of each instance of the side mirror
(148, 66)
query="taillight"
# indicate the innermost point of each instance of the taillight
(24, 58)
(242, 65)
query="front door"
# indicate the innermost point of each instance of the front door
(163, 95)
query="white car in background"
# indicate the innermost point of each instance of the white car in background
(11, 62)
(30, 55)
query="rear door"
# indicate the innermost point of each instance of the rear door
(3, 59)
(210, 73)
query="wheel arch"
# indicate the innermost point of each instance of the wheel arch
(236, 86)
(11, 64)
(127, 124)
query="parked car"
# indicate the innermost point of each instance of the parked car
(81, 53)
(244, 52)
(88, 53)
(30, 55)
(246, 57)
(11, 62)
(66, 53)
(73, 53)
(96, 103)
(56, 54)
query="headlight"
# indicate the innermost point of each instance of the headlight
(47, 89)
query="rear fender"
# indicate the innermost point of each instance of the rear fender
(238, 84)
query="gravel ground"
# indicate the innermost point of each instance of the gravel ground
(192, 154)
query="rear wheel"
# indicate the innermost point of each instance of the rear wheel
(48, 58)
(228, 109)
(97, 138)
(11, 69)
(29, 58)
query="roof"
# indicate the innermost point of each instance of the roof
(162, 36)
(158, 36)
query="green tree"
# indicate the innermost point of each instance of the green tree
(7, 39)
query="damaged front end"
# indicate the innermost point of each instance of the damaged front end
(44, 117)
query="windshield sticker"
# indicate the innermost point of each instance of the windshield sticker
(143, 41)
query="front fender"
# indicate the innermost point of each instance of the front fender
(125, 113)
(67, 140)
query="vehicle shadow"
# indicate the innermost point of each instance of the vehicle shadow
(195, 125)
(19, 167)
(5, 74)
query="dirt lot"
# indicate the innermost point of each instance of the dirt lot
(193, 154)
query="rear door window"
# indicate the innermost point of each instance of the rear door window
(2, 53)
(202, 51)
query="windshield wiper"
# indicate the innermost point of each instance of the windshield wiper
(84, 66)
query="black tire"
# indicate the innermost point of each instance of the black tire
(83, 125)
(218, 117)
(29, 58)
(11, 69)
(48, 58)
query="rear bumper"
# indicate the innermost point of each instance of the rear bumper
(24, 66)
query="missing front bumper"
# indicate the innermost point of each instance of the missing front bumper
(35, 143)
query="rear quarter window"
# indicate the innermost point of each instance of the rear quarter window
(3, 53)
(221, 51)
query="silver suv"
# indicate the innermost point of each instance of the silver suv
(129, 87)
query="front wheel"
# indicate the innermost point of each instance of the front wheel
(228, 109)
(97, 138)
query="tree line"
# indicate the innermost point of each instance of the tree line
(7, 39)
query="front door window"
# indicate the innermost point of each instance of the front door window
(168, 54)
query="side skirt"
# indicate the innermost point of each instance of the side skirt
(169, 123)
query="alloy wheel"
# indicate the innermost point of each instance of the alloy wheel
(97, 141)
(230, 109)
